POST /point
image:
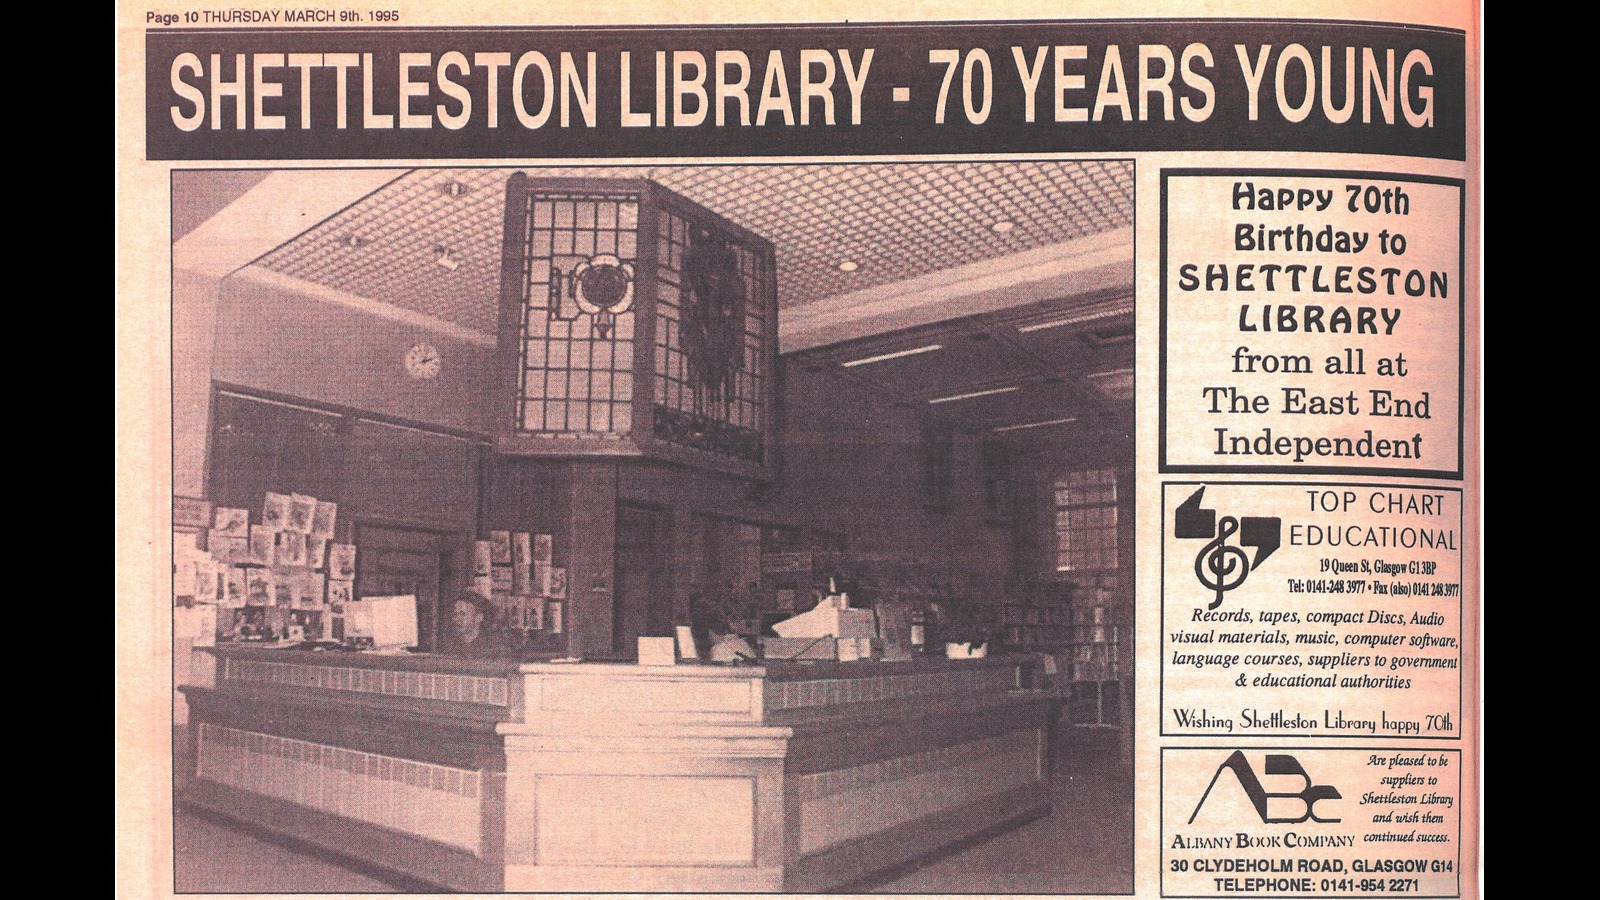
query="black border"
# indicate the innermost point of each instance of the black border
(407, 885)
(1164, 467)
(1161, 698)
(1161, 828)
(1225, 140)
(368, 27)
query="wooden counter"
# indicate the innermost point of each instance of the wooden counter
(615, 777)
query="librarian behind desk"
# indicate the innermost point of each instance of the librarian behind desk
(474, 633)
(481, 775)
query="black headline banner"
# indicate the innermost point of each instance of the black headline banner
(1035, 87)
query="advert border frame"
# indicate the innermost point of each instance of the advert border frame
(1461, 604)
(1161, 830)
(1456, 474)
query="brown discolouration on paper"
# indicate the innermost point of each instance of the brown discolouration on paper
(167, 354)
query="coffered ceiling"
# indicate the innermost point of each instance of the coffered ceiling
(871, 257)
(837, 228)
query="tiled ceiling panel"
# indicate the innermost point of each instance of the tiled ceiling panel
(899, 221)
(891, 221)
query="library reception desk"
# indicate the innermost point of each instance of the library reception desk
(487, 776)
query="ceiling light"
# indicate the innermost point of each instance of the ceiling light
(445, 261)
(988, 393)
(887, 356)
(1116, 384)
(454, 189)
(1035, 424)
(848, 265)
(1053, 323)
(1002, 227)
(1107, 337)
(1104, 310)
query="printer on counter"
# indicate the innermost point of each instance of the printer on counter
(833, 630)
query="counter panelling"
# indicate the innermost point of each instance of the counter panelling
(627, 777)
(617, 777)
(891, 759)
(398, 767)
(622, 692)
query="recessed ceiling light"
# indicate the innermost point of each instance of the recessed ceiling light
(1091, 313)
(1023, 425)
(1041, 326)
(968, 396)
(848, 265)
(1107, 337)
(1116, 384)
(454, 189)
(1002, 226)
(868, 360)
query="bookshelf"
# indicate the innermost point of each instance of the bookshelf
(1042, 625)
(1079, 624)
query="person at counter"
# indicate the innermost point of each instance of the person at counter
(473, 632)
(728, 646)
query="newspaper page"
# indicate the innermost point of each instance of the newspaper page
(1132, 349)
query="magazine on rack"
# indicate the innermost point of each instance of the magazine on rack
(1100, 382)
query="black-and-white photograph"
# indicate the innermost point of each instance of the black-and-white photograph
(834, 450)
(864, 433)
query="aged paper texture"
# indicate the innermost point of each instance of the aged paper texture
(1113, 370)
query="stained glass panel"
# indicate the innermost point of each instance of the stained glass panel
(709, 290)
(578, 327)
(713, 294)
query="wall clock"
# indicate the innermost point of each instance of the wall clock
(423, 361)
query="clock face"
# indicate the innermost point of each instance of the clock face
(423, 361)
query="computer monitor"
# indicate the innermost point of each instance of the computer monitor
(391, 622)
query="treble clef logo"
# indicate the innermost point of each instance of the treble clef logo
(1223, 563)
(1219, 566)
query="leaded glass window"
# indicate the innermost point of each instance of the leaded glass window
(712, 299)
(1086, 521)
(642, 319)
(578, 331)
